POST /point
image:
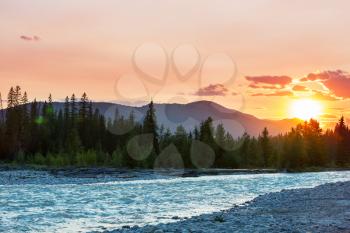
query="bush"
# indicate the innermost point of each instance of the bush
(88, 158)
(101, 157)
(117, 159)
(59, 160)
(39, 159)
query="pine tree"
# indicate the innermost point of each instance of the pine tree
(266, 148)
(59, 132)
(50, 109)
(244, 150)
(50, 98)
(12, 128)
(83, 119)
(73, 109)
(206, 132)
(196, 133)
(150, 127)
(25, 121)
(343, 142)
(314, 145)
(17, 95)
(220, 134)
(73, 144)
(83, 111)
(294, 154)
(220, 145)
(182, 143)
(11, 98)
(24, 98)
(66, 110)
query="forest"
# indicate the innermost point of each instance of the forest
(35, 133)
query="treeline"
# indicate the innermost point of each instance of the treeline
(79, 135)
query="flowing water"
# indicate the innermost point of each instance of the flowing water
(49, 204)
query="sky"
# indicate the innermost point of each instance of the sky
(257, 56)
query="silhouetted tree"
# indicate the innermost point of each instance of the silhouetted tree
(150, 127)
(266, 149)
(342, 134)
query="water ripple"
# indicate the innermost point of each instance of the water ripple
(74, 205)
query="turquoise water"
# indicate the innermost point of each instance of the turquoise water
(70, 205)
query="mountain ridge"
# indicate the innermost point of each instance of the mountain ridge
(191, 114)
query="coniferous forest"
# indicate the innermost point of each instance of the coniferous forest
(78, 135)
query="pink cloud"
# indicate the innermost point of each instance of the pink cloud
(338, 82)
(299, 88)
(277, 93)
(318, 76)
(254, 86)
(212, 90)
(340, 86)
(272, 80)
(29, 38)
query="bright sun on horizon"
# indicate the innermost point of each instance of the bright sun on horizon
(306, 109)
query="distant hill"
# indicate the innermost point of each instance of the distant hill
(191, 114)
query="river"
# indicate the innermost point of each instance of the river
(41, 202)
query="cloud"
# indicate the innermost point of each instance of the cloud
(318, 76)
(299, 88)
(277, 93)
(329, 116)
(254, 86)
(212, 90)
(337, 82)
(340, 86)
(271, 80)
(337, 108)
(324, 96)
(29, 38)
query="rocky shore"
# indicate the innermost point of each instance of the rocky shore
(325, 208)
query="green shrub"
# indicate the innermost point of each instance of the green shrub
(88, 158)
(117, 159)
(39, 159)
(58, 160)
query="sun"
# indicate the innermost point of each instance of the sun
(306, 109)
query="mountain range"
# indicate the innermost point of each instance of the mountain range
(171, 115)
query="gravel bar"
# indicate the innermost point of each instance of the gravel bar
(325, 208)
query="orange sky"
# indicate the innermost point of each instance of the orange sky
(88, 45)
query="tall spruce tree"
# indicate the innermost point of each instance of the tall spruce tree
(73, 109)
(266, 149)
(342, 142)
(150, 127)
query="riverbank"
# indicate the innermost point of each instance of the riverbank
(94, 172)
(119, 173)
(325, 208)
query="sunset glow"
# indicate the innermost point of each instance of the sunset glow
(119, 52)
(306, 109)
